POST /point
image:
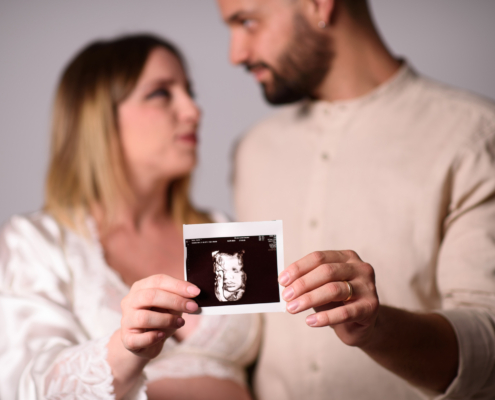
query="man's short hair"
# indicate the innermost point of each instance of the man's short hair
(358, 9)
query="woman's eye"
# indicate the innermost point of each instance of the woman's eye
(159, 93)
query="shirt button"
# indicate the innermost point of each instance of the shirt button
(313, 223)
(325, 156)
(314, 367)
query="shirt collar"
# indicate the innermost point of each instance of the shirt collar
(392, 85)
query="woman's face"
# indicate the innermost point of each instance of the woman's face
(158, 121)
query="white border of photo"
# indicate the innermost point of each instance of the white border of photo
(229, 229)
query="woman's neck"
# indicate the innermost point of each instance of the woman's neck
(147, 205)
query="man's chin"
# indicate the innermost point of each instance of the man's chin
(281, 95)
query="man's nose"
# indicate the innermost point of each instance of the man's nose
(239, 52)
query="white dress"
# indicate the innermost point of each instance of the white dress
(59, 305)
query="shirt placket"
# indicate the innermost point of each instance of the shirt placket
(316, 196)
(313, 225)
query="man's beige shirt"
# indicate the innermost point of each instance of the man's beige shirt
(405, 176)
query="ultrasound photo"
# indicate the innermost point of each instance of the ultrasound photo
(235, 273)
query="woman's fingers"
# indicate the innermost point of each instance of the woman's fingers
(157, 298)
(147, 319)
(168, 284)
(139, 342)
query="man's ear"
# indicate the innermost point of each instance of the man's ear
(320, 12)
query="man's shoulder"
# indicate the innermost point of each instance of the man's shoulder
(456, 101)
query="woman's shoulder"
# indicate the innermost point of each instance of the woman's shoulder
(31, 250)
(35, 226)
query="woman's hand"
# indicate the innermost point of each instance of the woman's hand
(319, 281)
(152, 311)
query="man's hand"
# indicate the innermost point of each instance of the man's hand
(319, 281)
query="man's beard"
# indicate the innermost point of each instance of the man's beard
(302, 67)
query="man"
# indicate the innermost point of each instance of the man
(376, 159)
(230, 283)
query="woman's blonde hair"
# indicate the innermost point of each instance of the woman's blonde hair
(86, 164)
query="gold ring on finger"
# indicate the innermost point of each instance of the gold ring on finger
(351, 290)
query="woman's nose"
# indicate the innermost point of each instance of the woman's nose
(189, 110)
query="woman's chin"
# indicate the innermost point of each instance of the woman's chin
(181, 169)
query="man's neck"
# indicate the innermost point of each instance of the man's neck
(361, 63)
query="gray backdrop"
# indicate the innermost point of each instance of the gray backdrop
(450, 40)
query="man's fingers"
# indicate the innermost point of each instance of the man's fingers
(353, 312)
(312, 261)
(167, 283)
(330, 292)
(319, 276)
(148, 298)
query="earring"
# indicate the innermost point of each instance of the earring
(322, 24)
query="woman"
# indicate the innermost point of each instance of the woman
(92, 288)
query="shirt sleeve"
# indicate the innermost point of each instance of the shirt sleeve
(47, 351)
(466, 268)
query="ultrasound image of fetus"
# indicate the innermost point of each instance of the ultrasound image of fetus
(230, 278)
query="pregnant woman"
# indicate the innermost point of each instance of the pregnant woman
(92, 297)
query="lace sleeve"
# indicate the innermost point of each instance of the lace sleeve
(45, 352)
(82, 372)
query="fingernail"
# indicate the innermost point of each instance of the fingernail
(191, 306)
(288, 294)
(180, 322)
(311, 320)
(284, 278)
(293, 306)
(193, 290)
(159, 335)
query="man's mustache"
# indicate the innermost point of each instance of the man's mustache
(250, 66)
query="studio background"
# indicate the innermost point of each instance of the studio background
(449, 40)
